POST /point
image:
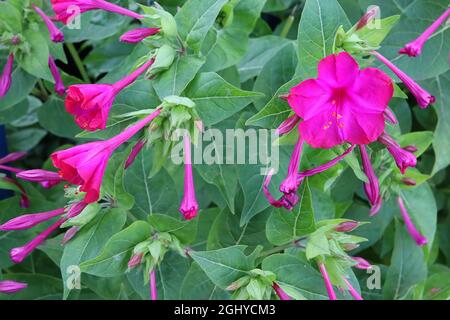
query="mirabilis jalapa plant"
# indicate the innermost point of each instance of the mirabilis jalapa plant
(343, 111)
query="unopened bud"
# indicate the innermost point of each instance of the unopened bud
(368, 17)
(350, 246)
(135, 260)
(362, 263)
(347, 226)
(411, 148)
(409, 181)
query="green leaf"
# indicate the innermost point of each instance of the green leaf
(35, 61)
(316, 32)
(54, 118)
(420, 139)
(26, 139)
(225, 266)
(407, 266)
(90, 240)
(375, 36)
(195, 19)
(113, 259)
(10, 17)
(284, 227)
(185, 231)
(197, 286)
(277, 5)
(40, 287)
(21, 85)
(216, 99)
(178, 76)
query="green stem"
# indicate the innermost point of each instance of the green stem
(78, 62)
(288, 25)
(278, 249)
(42, 90)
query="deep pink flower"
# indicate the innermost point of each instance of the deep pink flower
(352, 290)
(412, 230)
(5, 78)
(135, 152)
(59, 85)
(9, 286)
(362, 263)
(28, 221)
(189, 206)
(288, 125)
(46, 178)
(55, 34)
(19, 254)
(326, 279)
(347, 226)
(90, 103)
(66, 10)
(414, 48)
(344, 103)
(372, 188)
(423, 97)
(280, 293)
(85, 164)
(138, 34)
(367, 17)
(403, 158)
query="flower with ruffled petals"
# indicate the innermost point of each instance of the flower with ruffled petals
(67, 10)
(189, 205)
(5, 78)
(9, 286)
(90, 103)
(55, 34)
(138, 34)
(414, 48)
(85, 164)
(344, 103)
(423, 97)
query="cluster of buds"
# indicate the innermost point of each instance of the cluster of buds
(257, 285)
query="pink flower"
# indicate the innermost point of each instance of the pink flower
(189, 205)
(138, 34)
(412, 230)
(55, 34)
(135, 152)
(59, 85)
(367, 17)
(362, 263)
(288, 125)
(372, 188)
(344, 104)
(28, 221)
(403, 158)
(46, 178)
(352, 290)
(280, 293)
(19, 254)
(414, 48)
(85, 164)
(423, 97)
(66, 10)
(5, 79)
(8, 286)
(90, 103)
(327, 281)
(347, 226)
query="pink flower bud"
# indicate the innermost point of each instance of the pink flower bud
(347, 226)
(135, 260)
(8, 286)
(139, 34)
(69, 235)
(367, 17)
(362, 263)
(6, 77)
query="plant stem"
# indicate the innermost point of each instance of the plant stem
(295, 243)
(42, 90)
(78, 62)
(288, 25)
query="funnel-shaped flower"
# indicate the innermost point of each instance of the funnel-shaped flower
(19, 254)
(403, 158)
(85, 164)
(372, 188)
(28, 221)
(288, 125)
(46, 178)
(423, 97)
(326, 279)
(59, 85)
(55, 34)
(8, 286)
(134, 152)
(90, 103)
(138, 34)
(414, 48)
(5, 78)
(412, 230)
(66, 10)
(280, 293)
(189, 205)
(352, 290)
(344, 103)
